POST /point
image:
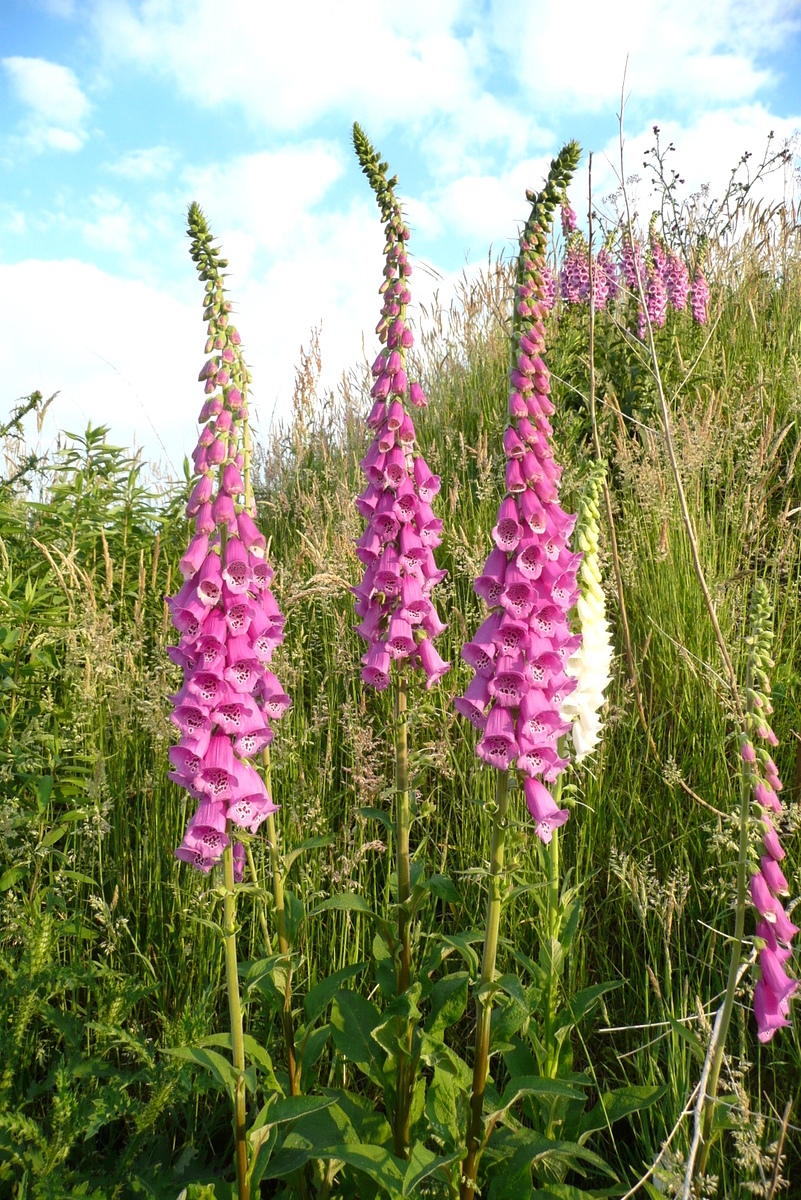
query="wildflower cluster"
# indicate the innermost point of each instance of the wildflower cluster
(225, 612)
(574, 278)
(590, 664)
(774, 930)
(519, 653)
(398, 618)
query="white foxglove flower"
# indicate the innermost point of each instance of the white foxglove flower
(590, 664)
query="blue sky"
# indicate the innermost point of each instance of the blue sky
(114, 114)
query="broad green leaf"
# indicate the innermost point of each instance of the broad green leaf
(377, 1163)
(311, 1045)
(12, 876)
(316, 1001)
(448, 1003)
(377, 814)
(537, 1085)
(292, 1108)
(422, 1163)
(352, 1021)
(219, 1066)
(538, 1148)
(44, 792)
(614, 1105)
(443, 887)
(442, 1109)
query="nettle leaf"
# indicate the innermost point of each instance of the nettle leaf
(12, 876)
(294, 915)
(291, 1108)
(613, 1106)
(353, 1020)
(403, 1011)
(448, 1002)
(317, 999)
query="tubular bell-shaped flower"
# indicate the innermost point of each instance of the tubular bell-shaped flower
(774, 930)
(590, 664)
(227, 616)
(529, 580)
(402, 531)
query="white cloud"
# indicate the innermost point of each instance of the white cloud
(297, 62)
(57, 108)
(113, 227)
(687, 50)
(154, 162)
(77, 330)
(267, 194)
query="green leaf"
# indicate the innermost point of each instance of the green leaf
(44, 792)
(54, 835)
(448, 1003)
(12, 876)
(220, 1068)
(582, 1003)
(537, 1085)
(344, 902)
(316, 1001)
(377, 1163)
(443, 887)
(292, 1108)
(302, 847)
(352, 1021)
(377, 814)
(538, 1149)
(422, 1163)
(311, 1045)
(619, 1103)
(462, 942)
(442, 1108)
(686, 1034)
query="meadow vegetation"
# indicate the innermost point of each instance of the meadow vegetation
(110, 950)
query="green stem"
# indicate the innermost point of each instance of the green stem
(254, 875)
(734, 966)
(287, 1023)
(484, 996)
(402, 826)
(237, 1033)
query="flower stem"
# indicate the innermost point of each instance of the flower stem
(402, 824)
(237, 1033)
(484, 996)
(287, 1023)
(552, 1062)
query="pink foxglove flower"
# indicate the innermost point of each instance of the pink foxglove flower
(677, 281)
(519, 654)
(774, 930)
(699, 297)
(394, 604)
(227, 617)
